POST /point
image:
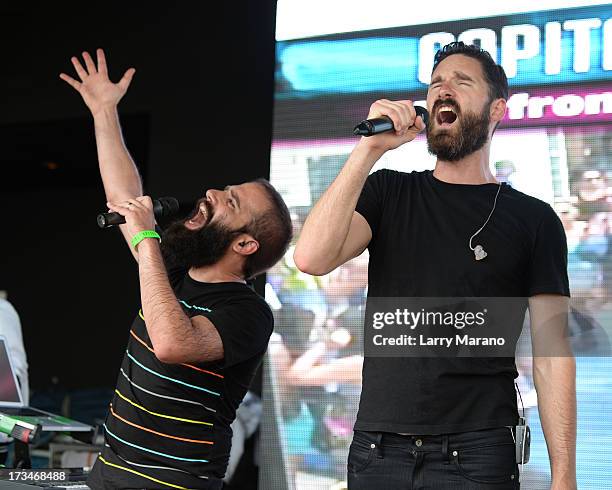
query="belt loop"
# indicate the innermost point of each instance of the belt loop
(379, 446)
(445, 455)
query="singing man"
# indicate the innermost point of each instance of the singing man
(448, 422)
(200, 331)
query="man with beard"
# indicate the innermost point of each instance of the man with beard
(200, 332)
(448, 422)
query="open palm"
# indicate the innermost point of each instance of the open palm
(97, 90)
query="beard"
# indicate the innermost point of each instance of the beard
(471, 136)
(182, 247)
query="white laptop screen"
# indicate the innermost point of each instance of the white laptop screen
(9, 392)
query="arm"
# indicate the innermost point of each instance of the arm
(554, 373)
(343, 370)
(120, 176)
(176, 338)
(333, 232)
(306, 370)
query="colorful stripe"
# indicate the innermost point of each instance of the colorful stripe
(154, 467)
(203, 370)
(194, 307)
(182, 364)
(130, 470)
(197, 441)
(160, 414)
(169, 378)
(189, 460)
(164, 396)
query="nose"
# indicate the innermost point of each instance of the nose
(445, 91)
(212, 195)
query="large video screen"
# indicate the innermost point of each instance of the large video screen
(333, 59)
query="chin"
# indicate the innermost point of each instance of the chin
(454, 129)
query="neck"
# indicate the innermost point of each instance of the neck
(472, 169)
(219, 272)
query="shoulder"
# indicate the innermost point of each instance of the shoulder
(531, 207)
(397, 175)
(388, 180)
(257, 300)
(243, 314)
(245, 297)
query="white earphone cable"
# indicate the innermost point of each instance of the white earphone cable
(490, 214)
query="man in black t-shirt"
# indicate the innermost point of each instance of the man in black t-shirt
(200, 332)
(454, 232)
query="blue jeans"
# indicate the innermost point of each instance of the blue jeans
(477, 460)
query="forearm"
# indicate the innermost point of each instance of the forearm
(555, 382)
(308, 359)
(167, 325)
(327, 226)
(307, 370)
(120, 176)
(343, 370)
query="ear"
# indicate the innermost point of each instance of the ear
(245, 245)
(497, 111)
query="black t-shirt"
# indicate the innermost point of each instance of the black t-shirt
(170, 423)
(421, 228)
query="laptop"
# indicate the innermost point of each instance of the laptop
(11, 403)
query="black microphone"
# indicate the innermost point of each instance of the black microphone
(162, 208)
(370, 127)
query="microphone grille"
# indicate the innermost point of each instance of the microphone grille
(421, 111)
(169, 205)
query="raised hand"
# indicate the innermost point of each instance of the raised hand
(405, 121)
(97, 90)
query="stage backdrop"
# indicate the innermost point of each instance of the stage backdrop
(333, 59)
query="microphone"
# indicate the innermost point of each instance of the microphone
(162, 208)
(370, 127)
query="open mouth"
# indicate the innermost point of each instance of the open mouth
(446, 116)
(201, 215)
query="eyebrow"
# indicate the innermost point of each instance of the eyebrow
(233, 195)
(462, 76)
(459, 74)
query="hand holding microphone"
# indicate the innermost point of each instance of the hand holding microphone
(370, 127)
(162, 208)
(393, 122)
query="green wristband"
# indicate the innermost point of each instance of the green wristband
(141, 235)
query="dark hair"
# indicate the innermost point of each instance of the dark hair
(494, 73)
(272, 229)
